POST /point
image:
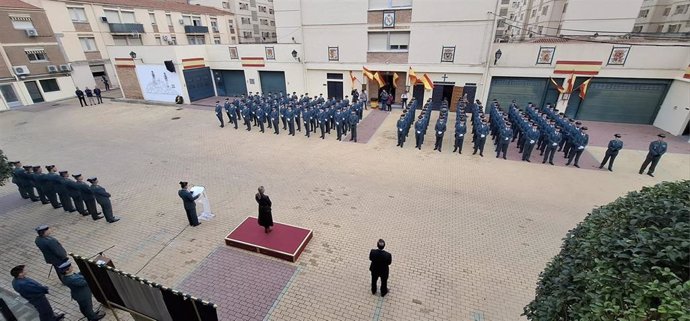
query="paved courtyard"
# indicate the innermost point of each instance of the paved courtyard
(468, 235)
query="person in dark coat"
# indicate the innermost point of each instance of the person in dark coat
(189, 205)
(103, 199)
(80, 96)
(97, 92)
(38, 182)
(89, 199)
(80, 291)
(380, 260)
(28, 177)
(35, 293)
(61, 188)
(73, 192)
(219, 113)
(657, 149)
(106, 83)
(265, 216)
(89, 95)
(49, 182)
(615, 145)
(53, 252)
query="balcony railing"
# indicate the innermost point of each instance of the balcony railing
(126, 27)
(195, 29)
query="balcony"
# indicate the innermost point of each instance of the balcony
(126, 27)
(195, 29)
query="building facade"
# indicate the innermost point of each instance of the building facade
(663, 16)
(33, 68)
(84, 29)
(255, 18)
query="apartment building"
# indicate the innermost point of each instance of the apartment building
(663, 16)
(33, 68)
(255, 18)
(85, 28)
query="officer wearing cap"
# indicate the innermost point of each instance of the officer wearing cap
(88, 197)
(353, 120)
(504, 137)
(482, 130)
(219, 113)
(380, 260)
(53, 252)
(657, 149)
(79, 290)
(615, 145)
(28, 177)
(35, 293)
(440, 131)
(188, 201)
(532, 136)
(103, 199)
(73, 192)
(39, 183)
(460, 131)
(401, 129)
(61, 188)
(579, 142)
(554, 139)
(49, 182)
(18, 178)
(275, 120)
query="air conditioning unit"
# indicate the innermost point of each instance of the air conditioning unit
(31, 32)
(65, 67)
(134, 35)
(171, 42)
(21, 70)
(104, 19)
(165, 38)
(181, 21)
(52, 68)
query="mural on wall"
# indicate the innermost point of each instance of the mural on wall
(619, 55)
(157, 83)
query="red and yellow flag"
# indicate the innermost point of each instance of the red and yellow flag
(353, 78)
(367, 73)
(571, 84)
(558, 87)
(379, 79)
(395, 80)
(583, 88)
(412, 76)
(589, 68)
(428, 84)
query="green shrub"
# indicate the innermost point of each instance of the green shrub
(628, 260)
(5, 169)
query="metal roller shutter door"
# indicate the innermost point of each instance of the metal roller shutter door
(634, 101)
(199, 83)
(235, 83)
(522, 90)
(272, 81)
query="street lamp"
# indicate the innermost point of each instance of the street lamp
(497, 56)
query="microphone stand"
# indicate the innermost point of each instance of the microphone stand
(100, 253)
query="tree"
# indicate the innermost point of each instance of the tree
(628, 260)
(5, 169)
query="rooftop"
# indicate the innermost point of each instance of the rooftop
(14, 4)
(158, 4)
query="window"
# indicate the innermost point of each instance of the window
(673, 28)
(187, 20)
(231, 26)
(262, 9)
(49, 85)
(503, 12)
(173, 40)
(247, 34)
(88, 44)
(152, 16)
(334, 76)
(273, 34)
(643, 13)
(77, 14)
(196, 21)
(127, 41)
(264, 22)
(226, 5)
(214, 24)
(681, 9)
(216, 40)
(265, 35)
(273, 23)
(659, 28)
(233, 39)
(158, 40)
(501, 23)
(112, 15)
(541, 28)
(244, 6)
(25, 23)
(387, 41)
(196, 40)
(246, 21)
(128, 17)
(505, 1)
(168, 17)
(544, 10)
(667, 11)
(637, 29)
(270, 11)
(36, 55)
(534, 13)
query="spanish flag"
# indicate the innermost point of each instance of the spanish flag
(583, 88)
(558, 87)
(412, 76)
(367, 73)
(588, 68)
(379, 79)
(395, 80)
(428, 84)
(353, 78)
(571, 84)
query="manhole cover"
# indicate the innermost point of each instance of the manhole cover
(175, 118)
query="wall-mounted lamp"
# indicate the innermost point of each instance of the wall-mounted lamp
(294, 55)
(497, 56)
(133, 54)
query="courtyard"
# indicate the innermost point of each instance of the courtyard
(468, 235)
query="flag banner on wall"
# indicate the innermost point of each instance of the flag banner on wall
(379, 79)
(558, 87)
(367, 73)
(428, 84)
(253, 62)
(191, 63)
(412, 76)
(353, 78)
(583, 88)
(687, 73)
(571, 84)
(576, 67)
(124, 62)
(395, 80)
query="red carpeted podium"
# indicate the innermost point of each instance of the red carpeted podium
(285, 241)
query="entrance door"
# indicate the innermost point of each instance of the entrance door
(471, 91)
(10, 96)
(34, 92)
(335, 89)
(98, 71)
(234, 83)
(199, 83)
(272, 82)
(418, 94)
(442, 91)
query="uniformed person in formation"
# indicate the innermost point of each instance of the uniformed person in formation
(219, 113)
(615, 145)
(28, 177)
(79, 291)
(39, 183)
(554, 140)
(460, 131)
(188, 200)
(482, 130)
(531, 138)
(275, 120)
(103, 199)
(89, 198)
(440, 131)
(53, 252)
(35, 293)
(401, 130)
(49, 182)
(73, 191)
(18, 178)
(577, 146)
(504, 137)
(657, 149)
(61, 188)
(353, 120)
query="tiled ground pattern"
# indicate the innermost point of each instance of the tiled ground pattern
(468, 235)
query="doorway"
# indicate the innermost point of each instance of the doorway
(443, 91)
(335, 89)
(388, 78)
(10, 96)
(418, 94)
(34, 92)
(470, 90)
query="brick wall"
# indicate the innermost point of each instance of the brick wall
(93, 55)
(82, 26)
(39, 20)
(129, 82)
(5, 71)
(17, 57)
(401, 16)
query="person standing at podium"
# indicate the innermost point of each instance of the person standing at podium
(189, 205)
(265, 216)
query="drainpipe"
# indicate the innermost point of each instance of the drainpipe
(485, 76)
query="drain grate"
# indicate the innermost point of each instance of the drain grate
(175, 118)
